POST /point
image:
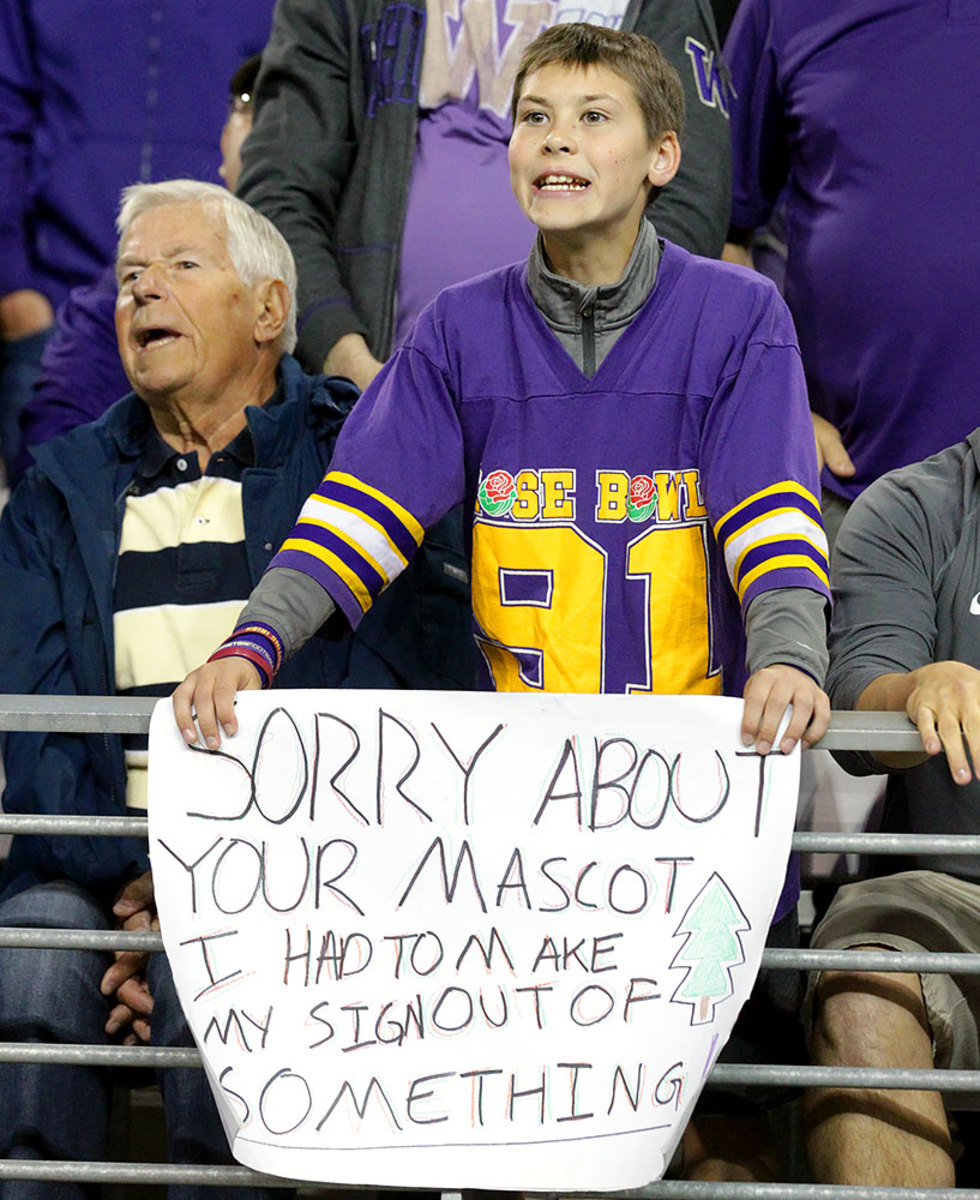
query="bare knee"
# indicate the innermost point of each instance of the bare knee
(870, 1019)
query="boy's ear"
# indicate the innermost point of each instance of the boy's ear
(666, 159)
(273, 296)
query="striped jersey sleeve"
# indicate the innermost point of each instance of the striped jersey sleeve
(353, 540)
(774, 539)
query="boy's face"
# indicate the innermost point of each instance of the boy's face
(581, 162)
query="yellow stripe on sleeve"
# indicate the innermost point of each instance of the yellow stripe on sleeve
(336, 564)
(781, 562)
(403, 515)
(788, 485)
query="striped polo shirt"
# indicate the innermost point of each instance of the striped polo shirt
(182, 577)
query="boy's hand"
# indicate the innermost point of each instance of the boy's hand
(209, 692)
(768, 693)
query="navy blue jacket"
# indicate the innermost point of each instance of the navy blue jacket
(59, 539)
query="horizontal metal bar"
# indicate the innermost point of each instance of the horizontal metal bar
(74, 826)
(807, 843)
(72, 1055)
(145, 1173)
(14, 937)
(723, 1074)
(76, 714)
(886, 961)
(669, 1189)
(680, 1189)
(870, 731)
(885, 1078)
(129, 714)
(886, 843)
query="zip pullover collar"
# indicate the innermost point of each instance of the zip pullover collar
(588, 321)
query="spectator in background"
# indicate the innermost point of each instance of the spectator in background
(92, 97)
(839, 101)
(129, 545)
(81, 372)
(906, 638)
(380, 152)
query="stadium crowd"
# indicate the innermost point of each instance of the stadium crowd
(221, 223)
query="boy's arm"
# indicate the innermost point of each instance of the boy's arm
(289, 607)
(787, 656)
(397, 469)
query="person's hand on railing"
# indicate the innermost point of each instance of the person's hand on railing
(944, 704)
(209, 694)
(134, 909)
(768, 693)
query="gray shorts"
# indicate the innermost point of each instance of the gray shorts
(916, 910)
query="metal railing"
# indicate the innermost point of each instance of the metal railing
(848, 731)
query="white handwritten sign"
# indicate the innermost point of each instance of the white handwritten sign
(461, 940)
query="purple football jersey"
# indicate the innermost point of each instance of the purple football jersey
(620, 524)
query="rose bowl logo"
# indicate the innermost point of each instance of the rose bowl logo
(643, 498)
(497, 493)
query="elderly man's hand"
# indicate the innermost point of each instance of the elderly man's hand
(944, 703)
(767, 695)
(134, 909)
(209, 693)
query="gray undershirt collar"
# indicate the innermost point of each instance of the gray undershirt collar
(588, 321)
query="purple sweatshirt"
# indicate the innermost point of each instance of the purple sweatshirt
(867, 108)
(94, 96)
(81, 372)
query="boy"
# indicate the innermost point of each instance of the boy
(626, 424)
(595, 409)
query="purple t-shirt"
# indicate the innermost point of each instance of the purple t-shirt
(868, 108)
(461, 219)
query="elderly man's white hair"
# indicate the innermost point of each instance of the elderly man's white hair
(256, 248)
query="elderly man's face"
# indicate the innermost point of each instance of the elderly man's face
(185, 320)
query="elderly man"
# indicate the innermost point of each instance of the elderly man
(127, 551)
(906, 638)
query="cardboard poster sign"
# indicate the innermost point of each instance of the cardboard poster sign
(446, 940)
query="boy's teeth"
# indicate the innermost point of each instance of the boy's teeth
(562, 181)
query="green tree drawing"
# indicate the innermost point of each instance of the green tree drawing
(711, 948)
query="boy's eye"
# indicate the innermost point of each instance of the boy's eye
(593, 117)
(533, 118)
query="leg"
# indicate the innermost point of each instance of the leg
(729, 1137)
(194, 1130)
(897, 1138)
(729, 1149)
(52, 1112)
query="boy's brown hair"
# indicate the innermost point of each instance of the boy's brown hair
(635, 58)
